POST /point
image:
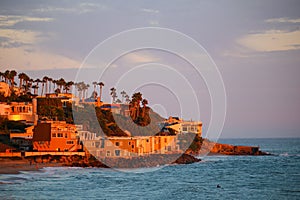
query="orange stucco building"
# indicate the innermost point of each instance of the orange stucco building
(131, 146)
(55, 136)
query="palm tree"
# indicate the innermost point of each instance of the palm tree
(133, 108)
(86, 87)
(37, 82)
(50, 81)
(21, 76)
(76, 86)
(137, 98)
(60, 83)
(30, 83)
(1, 75)
(68, 86)
(101, 84)
(6, 76)
(113, 94)
(123, 93)
(26, 84)
(43, 84)
(35, 89)
(144, 103)
(45, 79)
(11, 77)
(57, 91)
(82, 90)
(127, 99)
(94, 93)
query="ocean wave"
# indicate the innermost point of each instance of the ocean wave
(13, 179)
(289, 155)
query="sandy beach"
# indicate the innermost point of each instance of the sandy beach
(9, 166)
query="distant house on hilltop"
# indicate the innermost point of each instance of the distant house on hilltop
(64, 97)
(180, 126)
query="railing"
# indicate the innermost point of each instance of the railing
(58, 153)
(10, 154)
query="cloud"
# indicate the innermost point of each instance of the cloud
(271, 40)
(18, 36)
(28, 58)
(77, 8)
(11, 20)
(153, 22)
(283, 20)
(140, 58)
(14, 37)
(150, 10)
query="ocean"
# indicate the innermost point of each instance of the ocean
(238, 177)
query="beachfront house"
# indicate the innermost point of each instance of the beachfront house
(55, 136)
(20, 111)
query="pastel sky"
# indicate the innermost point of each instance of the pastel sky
(255, 45)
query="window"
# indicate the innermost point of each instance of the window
(66, 135)
(132, 146)
(147, 140)
(97, 144)
(117, 144)
(165, 140)
(129, 143)
(117, 152)
(53, 134)
(60, 135)
(107, 153)
(70, 142)
(184, 128)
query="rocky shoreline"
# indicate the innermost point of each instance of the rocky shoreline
(15, 164)
(135, 162)
(199, 147)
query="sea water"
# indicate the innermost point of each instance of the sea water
(237, 177)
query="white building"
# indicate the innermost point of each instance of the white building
(180, 126)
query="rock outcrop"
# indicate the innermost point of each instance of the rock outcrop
(202, 146)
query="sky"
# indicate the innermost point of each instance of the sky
(254, 44)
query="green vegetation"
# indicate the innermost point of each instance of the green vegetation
(104, 122)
